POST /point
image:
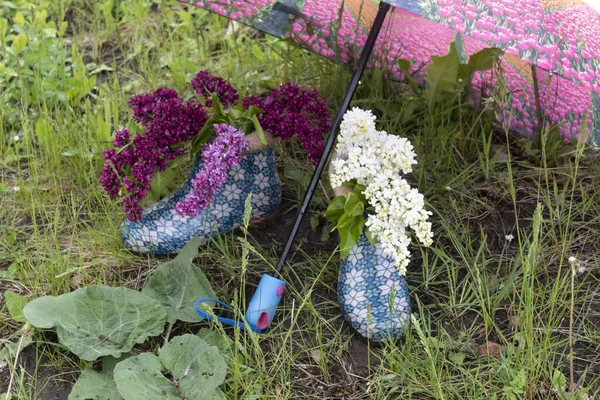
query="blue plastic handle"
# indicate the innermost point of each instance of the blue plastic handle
(263, 305)
(261, 309)
(223, 320)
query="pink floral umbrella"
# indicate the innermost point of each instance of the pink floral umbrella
(561, 38)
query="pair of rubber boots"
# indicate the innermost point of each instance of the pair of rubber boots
(372, 295)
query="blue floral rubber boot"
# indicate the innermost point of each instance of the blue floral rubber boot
(372, 294)
(161, 230)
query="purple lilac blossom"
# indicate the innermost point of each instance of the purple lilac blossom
(217, 157)
(144, 104)
(290, 110)
(169, 122)
(206, 84)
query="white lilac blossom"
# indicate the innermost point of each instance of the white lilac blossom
(378, 160)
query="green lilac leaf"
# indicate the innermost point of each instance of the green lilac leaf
(160, 183)
(359, 191)
(254, 110)
(206, 132)
(259, 130)
(15, 303)
(217, 105)
(246, 126)
(351, 183)
(345, 221)
(335, 209)
(353, 207)
(349, 235)
(177, 284)
(98, 320)
(235, 113)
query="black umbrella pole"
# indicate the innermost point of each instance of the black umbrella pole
(362, 62)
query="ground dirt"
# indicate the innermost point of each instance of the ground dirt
(47, 382)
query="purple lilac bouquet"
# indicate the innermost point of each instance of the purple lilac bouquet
(172, 125)
(170, 122)
(292, 111)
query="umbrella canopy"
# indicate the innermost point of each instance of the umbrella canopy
(562, 38)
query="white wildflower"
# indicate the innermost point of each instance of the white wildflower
(16, 138)
(377, 160)
(509, 238)
(576, 266)
(16, 188)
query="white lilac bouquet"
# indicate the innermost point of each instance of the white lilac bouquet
(370, 163)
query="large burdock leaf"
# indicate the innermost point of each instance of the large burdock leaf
(196, 370)
(98, 320)
(199, 367)
(223, 343)
(178, 283)
(94, 385)
(140, 377)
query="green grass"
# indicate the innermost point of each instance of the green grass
(493, 318)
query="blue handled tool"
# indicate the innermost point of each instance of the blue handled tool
(263, 305)
(261, 309)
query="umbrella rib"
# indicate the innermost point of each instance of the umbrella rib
(362, 62)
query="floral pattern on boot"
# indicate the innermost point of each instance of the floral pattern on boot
(161, 230)
(372, 294)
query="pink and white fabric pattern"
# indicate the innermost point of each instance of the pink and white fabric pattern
(561, 37)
